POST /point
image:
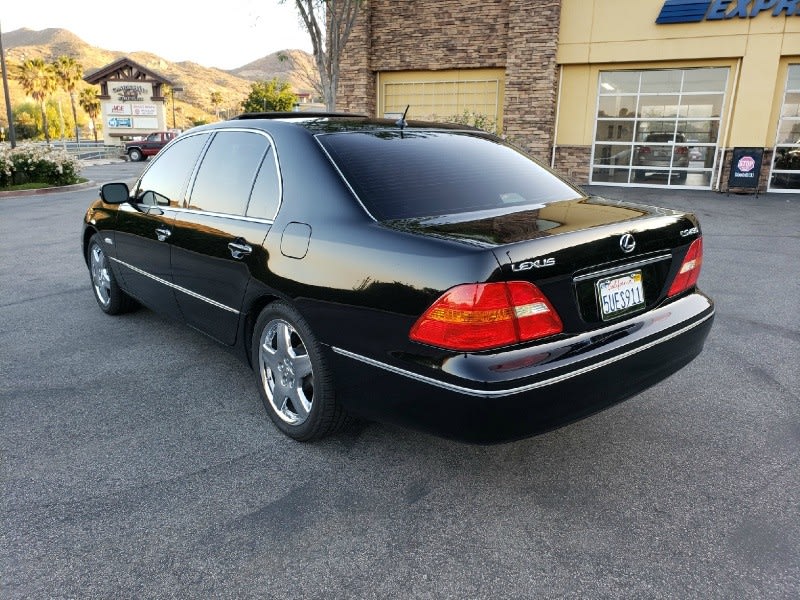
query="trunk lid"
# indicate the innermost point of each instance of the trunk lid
(570, 249)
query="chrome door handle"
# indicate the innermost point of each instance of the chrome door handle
(162, 233)
(239, 249)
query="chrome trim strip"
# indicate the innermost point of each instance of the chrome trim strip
(525, 388)
(625, 267)
(176, 287)
(194, 211)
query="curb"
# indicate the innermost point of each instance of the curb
(49, 190)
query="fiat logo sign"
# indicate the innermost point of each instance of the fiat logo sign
(746, 164)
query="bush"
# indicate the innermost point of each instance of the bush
(36, 163)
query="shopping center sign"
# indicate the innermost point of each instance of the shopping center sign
(694, 11)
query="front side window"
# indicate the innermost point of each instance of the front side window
(226, 175)
(165, 180)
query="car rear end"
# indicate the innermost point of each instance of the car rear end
(592, 301)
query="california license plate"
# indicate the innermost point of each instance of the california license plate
(620, 294)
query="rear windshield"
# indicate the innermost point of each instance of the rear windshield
(417, 174)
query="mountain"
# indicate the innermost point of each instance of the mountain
(194, 103)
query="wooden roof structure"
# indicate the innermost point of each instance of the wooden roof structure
(126, 69)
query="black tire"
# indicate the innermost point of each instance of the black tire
(293, 376)
(135, 155)
(110, 297)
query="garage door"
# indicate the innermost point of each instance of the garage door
(473, 96)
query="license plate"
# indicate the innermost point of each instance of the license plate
(620, 294)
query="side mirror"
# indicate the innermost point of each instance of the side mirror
(114, 193)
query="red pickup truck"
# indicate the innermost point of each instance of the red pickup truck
(149, 146)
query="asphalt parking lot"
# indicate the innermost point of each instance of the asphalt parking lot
(137, 461)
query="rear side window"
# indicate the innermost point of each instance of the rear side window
(266, 195)
(227, 173)
(164, 182)
(412, 174)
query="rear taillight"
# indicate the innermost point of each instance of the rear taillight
(690, 269)
(644, 150)
(681, 150)
(480, 316)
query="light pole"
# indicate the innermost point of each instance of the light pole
(175, 89)
(12, 137)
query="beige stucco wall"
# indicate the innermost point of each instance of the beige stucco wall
(600, 35)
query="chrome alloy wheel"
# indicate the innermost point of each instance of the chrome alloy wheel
(100, 275)
(286, 372)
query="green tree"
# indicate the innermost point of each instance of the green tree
(25, 120)
(89, 102)
(38, 80)
(68, 74)
(267, 96)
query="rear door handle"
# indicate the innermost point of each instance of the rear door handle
(162, 233)
(239, 249)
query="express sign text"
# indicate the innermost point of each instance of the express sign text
(694, 11)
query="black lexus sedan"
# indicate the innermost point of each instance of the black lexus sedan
(423, 274)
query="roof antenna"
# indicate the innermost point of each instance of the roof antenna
(401, 122)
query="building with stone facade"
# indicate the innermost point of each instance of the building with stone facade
(674, 93)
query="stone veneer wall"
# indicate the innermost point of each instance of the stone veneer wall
(573, 162)
(428, 35)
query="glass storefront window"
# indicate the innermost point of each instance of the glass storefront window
(705, 80)
(785, 171)
(619, 82)
(616, 106)
(661, 81)
(658, 127)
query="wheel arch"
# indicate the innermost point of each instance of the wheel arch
(255, 309)
(88, 232)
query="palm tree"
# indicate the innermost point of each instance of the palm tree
(216, 100)
(38, 80)
(91, 105)
(68, 73)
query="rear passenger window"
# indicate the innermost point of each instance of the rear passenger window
(266, 194)
(227, 173)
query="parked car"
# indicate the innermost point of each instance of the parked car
(423, 274)
(658, 151)
(150, 145)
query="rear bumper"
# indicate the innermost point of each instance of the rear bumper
(498, 397)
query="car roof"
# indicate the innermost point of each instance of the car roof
(335, 122)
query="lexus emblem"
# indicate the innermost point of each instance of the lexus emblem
(627, 243)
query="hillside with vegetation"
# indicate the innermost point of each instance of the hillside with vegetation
(208, 93)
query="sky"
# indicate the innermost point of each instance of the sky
(230, 35)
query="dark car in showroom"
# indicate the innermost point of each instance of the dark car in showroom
(423, 274)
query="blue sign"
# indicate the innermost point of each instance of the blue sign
(120, 122)
(694, 11)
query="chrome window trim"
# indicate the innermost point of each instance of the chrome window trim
(521, 389)
(625, 267)
(193, 177)
(176, 287)
(194, 211)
